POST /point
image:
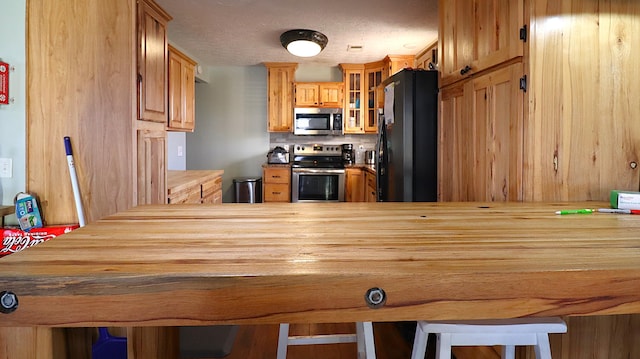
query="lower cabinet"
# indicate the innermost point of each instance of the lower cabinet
(360, 185)
(151, 159)
(354, 185)
(276, 183)
(370, 187)
(194, 187)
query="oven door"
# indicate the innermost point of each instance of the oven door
(317, 185)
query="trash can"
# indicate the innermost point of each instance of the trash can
(247, 189)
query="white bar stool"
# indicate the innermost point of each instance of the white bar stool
(505, 332)
(363, 336)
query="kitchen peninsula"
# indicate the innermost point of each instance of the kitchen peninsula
(232, 263)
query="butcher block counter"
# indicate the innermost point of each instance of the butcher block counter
(166, 265)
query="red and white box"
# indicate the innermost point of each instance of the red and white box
(14, 239)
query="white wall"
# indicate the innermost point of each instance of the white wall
(176, 151)
(13, 116)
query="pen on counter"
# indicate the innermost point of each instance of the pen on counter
(619, 211)
(576, 211)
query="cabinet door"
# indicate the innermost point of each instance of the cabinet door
(280, 96)
(374, 98)
(152, 174)
(481, 131)
(306, 94)
(354, 85)
(212, 191)
(455, 163)
(354, 185)
(330, 94)
(152, 62)
(181, 91)
(497, 112)
(475, 35)
(370, 187)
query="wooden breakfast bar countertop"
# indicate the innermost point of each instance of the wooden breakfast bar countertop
(164, 265)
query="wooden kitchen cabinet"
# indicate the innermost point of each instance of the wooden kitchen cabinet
(280, 76)
(319, 94)
(353, 78)
(276, 183)
(428, 57)
(475, 35)
(481, 128)
(354, 185)
(395, 63)
(152, 61)
(370, 190)
(152, 171)
(182, 91)
(374, 95)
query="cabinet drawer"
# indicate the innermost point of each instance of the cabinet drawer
(277, 192)
(210, 187)
(277, 175)
(192, 195)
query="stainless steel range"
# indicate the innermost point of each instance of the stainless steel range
(317, 173)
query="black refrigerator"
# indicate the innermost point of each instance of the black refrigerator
(406, 161)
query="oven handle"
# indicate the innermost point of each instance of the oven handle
(318, 170)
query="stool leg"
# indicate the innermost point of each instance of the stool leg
(543, 349)
(283, 341)
(366, 343)
(419, 344)
(508, 352)
(443, 348)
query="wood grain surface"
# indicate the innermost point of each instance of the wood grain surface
(312, 263)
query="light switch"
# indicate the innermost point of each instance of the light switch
(5, 167)
(180, 153)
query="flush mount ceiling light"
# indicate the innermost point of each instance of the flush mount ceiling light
(303, 43)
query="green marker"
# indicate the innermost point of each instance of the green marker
(576, 211)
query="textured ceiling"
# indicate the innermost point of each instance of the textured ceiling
(247, 32)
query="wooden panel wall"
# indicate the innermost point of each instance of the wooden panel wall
(81, 83)
(583, 95)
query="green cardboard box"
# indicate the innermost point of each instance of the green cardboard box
(625, 199)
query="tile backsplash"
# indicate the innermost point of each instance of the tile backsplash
(360, 143)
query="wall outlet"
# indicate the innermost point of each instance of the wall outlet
(6, 167)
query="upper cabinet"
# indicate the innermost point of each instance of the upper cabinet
(319, 94)
(374, 95)
(395, 63)
(152, 62)
(428, 58)
(280, 77)
(353, 78)
(475, 35)
(182, 84)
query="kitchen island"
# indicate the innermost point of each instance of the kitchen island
(161, 265)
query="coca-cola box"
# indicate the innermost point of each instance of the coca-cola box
(15, 239)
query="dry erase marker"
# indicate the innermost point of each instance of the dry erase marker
(576, 211)
(619, 211)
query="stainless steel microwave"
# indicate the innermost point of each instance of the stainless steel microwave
(317, 121)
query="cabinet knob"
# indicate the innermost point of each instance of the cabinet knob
(633, 165)
(465, 70)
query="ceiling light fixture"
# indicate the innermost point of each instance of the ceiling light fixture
(303, 43)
